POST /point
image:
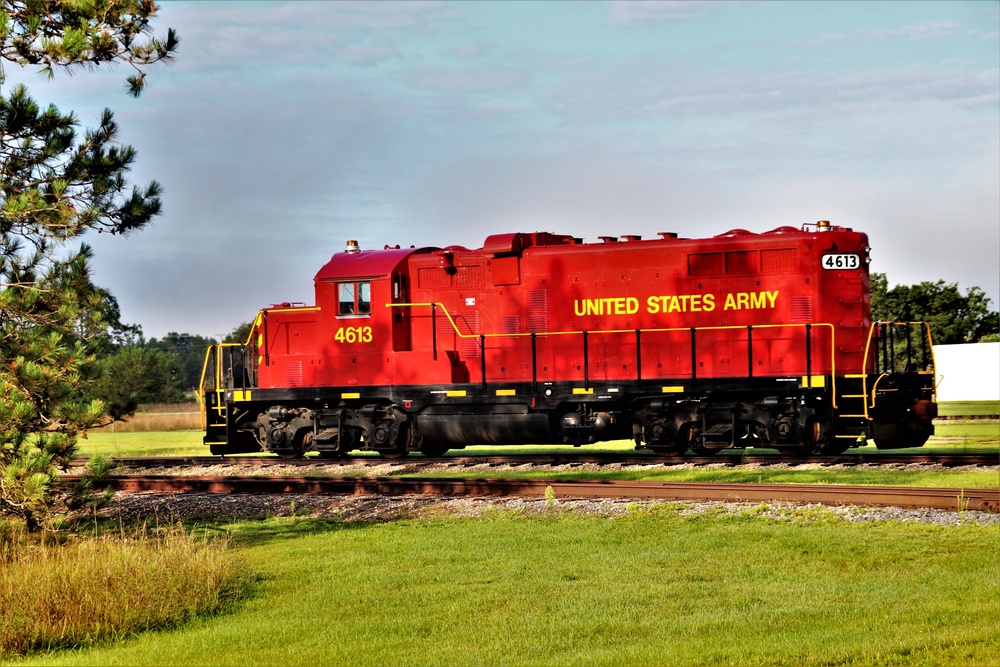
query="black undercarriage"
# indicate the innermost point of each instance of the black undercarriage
(829, 415)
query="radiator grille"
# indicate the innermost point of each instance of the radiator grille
(779, 260)
(705, 264)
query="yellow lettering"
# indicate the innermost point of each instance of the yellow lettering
(671, 303)
(742, 300)
(772, 296)
(758, 300)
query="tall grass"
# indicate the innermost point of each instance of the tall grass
(81, 591)
(160, 417)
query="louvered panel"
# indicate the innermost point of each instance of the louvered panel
(538, 311)
(800, 308)
(508, 324)
(468, 323)
(293, 373)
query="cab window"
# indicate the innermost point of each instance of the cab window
(355, 298)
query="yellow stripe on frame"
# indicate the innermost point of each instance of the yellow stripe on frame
(673, 390)
(818, 381)
(241, 395)
(581, 390)
(352, 394)
(506, 392)
(455, 393)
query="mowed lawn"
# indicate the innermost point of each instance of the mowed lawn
(649, 588)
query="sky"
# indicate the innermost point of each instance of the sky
(284, 129)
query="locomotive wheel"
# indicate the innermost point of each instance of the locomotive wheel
(393, 454)
(434, 450)
(824, 443)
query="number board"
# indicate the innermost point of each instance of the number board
(841, 261)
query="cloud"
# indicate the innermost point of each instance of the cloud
(679, 89)
(234, 35)
(918, 32)
(588, 191)
(466, 80)
(625, 12)
(366, 55)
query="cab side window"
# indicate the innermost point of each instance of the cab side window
(354, 298)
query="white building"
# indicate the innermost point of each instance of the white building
(968, 372)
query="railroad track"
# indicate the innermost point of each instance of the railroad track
(951, 499)
(950, 460)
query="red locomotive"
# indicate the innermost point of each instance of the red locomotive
(738, 340)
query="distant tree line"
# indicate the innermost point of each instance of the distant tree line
(954, 318)
(134, 370)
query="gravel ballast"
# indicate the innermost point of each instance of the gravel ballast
(167, 508)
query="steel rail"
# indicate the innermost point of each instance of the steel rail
(566, 459)
(951, 499)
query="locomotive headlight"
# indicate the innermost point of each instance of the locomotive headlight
(868, 254)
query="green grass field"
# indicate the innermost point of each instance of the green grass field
(651, 588)
(968, 408)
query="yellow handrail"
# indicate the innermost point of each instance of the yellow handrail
(454, 326)
(864, 362)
